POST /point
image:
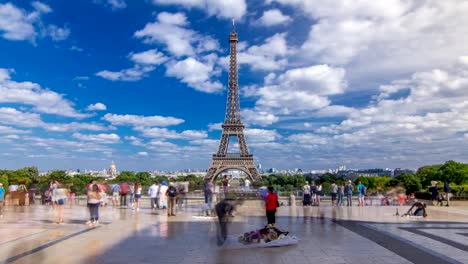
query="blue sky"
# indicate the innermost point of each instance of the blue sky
(323, 83)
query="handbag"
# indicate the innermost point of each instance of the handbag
(277, 203)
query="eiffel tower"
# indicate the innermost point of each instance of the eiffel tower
(233, 127)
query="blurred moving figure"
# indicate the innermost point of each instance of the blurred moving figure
(224, 209)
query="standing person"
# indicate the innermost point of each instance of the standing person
(447, 192)
(306, 197)
(171, 194)
(434, 192)
(208, 193)
(271, 204)
(22, 191)
(137, 196)
(2, 199)
(225, 185)
(349, 193)
(361, 192)
(131, 188)
(12, 190)
(401, 198)
(153, 192)
(32, 194)
(247, 184)
(313, 191)
(334, 192)
(340, 201)
(319, 193)
(162, 194)
(115, 189)
(123, 194)
(94, 198)
(61, 195)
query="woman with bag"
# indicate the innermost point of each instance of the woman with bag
(271, 203)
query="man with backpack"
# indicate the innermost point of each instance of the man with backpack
(123, 194)
(171, 194)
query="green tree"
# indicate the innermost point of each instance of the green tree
(126, 176)
(409, 181)
(60, 176)
(426, 174)
(455, 172)
(144, 178)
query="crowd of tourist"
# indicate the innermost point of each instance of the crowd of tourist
(167, 196)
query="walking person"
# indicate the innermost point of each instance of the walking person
(361, 192)
(349, 188)
(271, 203)
(334, 192)
(137, 196)
(2, 199)
(340, 201)
(115, 189)
(447, 192)
(61, 195)
(306, 196)
(153, 192)
(171, 194)
(94, 198)
(180, 195)
(223, 210)
(123, 194)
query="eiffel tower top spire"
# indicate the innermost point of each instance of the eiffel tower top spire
(232, 104)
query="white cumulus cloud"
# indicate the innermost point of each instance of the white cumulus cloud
(96, 107)
(195, 74)
(274, 17)
(98, 138)
(145, 121)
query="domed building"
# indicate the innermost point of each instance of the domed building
(113, 170)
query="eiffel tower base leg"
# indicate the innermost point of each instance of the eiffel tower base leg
(221, 164)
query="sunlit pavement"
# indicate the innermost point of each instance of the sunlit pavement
(328, 235)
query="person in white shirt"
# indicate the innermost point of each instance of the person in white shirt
(153, 192)
(247, 184)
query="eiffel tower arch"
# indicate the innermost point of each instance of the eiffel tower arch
(233, 127)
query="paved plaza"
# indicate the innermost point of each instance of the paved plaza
(328, 235)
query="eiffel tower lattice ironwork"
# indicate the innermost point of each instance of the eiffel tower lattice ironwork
(233, 127)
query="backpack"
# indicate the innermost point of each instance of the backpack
(171, 192)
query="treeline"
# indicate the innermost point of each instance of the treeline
(455, 173)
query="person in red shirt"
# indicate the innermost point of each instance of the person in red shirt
(271, 203)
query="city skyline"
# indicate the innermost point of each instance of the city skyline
(322, 84)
